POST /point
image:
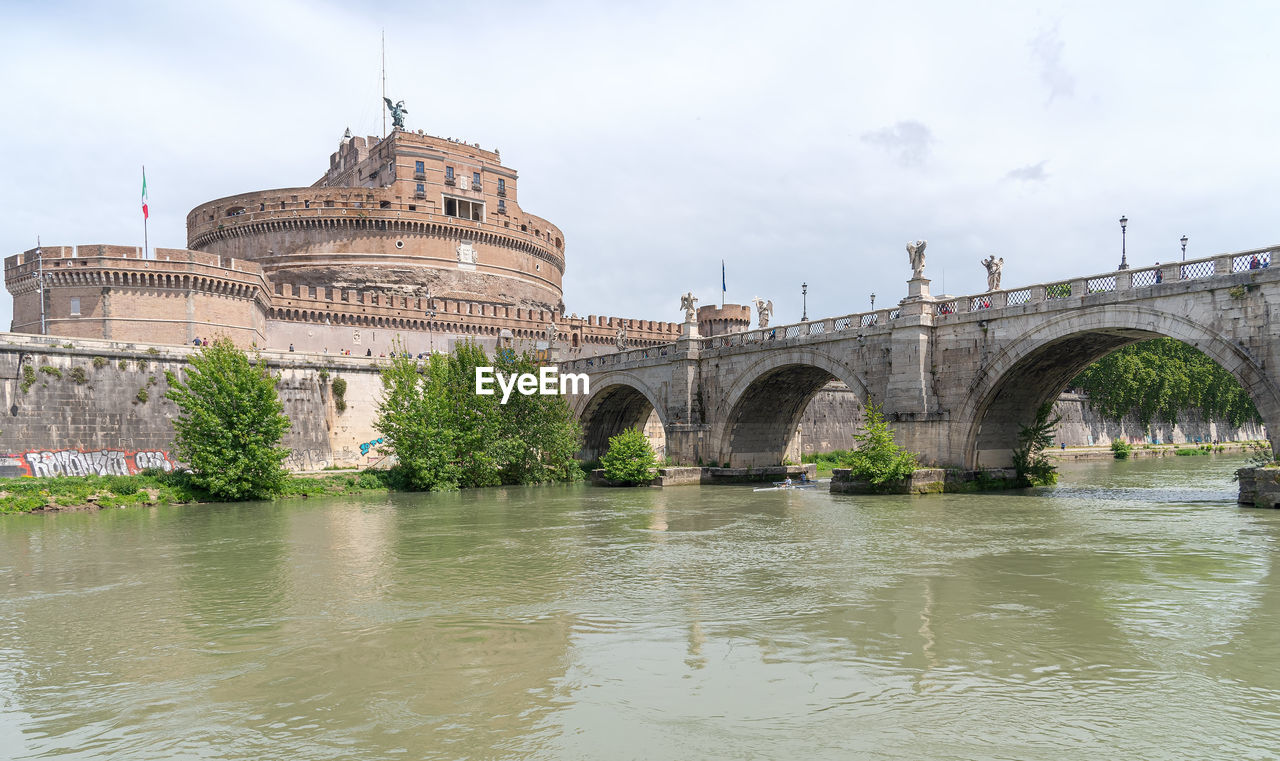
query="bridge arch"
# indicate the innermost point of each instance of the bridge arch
(618, 401)
(757, 416)
(1038, 365)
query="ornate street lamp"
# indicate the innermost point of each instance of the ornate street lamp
(1124, 262)
(873, 302)
(1184, 248)
(804, 296)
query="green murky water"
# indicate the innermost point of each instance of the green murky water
(1132, 612)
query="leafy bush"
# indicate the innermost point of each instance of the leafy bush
(28, 377)
(1120, 449)
(630, 459)
(99, 363)
(1029, 460)
(230, 423)
(49, 370)
(339, 388)
(413, 418)
(447, 436)
(878, 459)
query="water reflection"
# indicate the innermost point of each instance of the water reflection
(1129, 609)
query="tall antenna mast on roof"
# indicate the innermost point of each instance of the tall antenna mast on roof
(384, 82)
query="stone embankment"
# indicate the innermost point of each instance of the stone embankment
(825, 425)
(85, 407)
(927, 481)
(694, 475)
(1259, 487)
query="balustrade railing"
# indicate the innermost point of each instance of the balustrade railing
(1100, 284)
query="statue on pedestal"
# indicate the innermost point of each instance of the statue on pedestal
(916, 252)
(397, 113)
(993, 266)
(552, 334)
(687, 302)
(764, 309)
(621, 339)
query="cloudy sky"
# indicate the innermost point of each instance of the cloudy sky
(797, 141)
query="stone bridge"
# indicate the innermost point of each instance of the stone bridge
(956, 377)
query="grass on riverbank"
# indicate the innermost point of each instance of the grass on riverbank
(827, 461)
(24, 495)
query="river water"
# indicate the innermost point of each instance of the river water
(1133, 611)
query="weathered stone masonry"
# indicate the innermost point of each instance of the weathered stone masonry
(101, 405)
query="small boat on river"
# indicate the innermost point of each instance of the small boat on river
(784, 486)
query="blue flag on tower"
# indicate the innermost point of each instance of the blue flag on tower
(723, 287)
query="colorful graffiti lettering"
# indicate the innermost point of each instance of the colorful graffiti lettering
(365, 447)
(44, 463)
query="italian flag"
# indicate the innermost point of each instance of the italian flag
(145, 214)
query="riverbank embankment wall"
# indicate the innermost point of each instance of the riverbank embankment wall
(85, 406)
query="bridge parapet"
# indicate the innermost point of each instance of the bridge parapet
(1219, 265)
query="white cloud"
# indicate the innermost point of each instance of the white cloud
(1029, 173)
(664, 137)
(1046, 49)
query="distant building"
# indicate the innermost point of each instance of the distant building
(407, 238)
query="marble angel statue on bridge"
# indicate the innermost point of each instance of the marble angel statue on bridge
(687, 302)
(916, 252)
(993, 266)
(764, 309)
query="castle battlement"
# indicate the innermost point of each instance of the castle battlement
(409, 240)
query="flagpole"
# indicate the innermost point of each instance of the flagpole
(145, 244)
(384, 83)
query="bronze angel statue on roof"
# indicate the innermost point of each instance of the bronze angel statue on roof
(397, 113)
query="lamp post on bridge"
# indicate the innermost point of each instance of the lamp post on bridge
(1124, 262)
(804, 296)
(873, 302)
(1184, 248)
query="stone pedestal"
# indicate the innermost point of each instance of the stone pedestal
(689, 330)
(918, 288)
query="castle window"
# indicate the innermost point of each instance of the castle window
(328, 204)
(502, 187)
(306, 204)
(384, 204)
(524, 228)
(463, 209)
(448, 173)
(475, 178)
(502, 206)
(75, 306)
(419, 167)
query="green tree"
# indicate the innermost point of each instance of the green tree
(1029, 460)
(474, 419)
(539, 433)
(1157, 379)
(1120, 449)
(630, 459)
(878, 459)
(230, 423)
(415, 420)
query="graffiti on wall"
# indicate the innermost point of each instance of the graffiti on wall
(307, 459)
(365, 447)
(44, 463)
